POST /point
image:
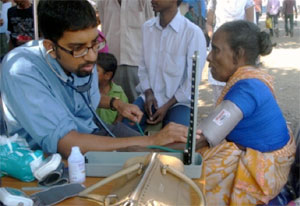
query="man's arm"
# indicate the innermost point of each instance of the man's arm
(87, 142)
(250, 14)
(129, 111)
(295, 7)
(160, 113)
(209, 23)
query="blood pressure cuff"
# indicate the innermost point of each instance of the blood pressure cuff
(56, 194)
(57, 177)
(220, 122)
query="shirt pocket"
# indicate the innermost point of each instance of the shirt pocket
(173, 72)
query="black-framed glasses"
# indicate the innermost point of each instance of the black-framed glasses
(97, 46)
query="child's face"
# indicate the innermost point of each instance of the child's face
(101, 73)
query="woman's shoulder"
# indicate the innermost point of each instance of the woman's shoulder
(252, 86)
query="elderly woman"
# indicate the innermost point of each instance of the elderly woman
(250, 147)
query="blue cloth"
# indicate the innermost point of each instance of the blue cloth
(263, 126)
(179, 114)
(194, 3)
(39, 106)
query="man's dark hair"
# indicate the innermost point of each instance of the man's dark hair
(179, 2)
(57, 16)
(108, 62)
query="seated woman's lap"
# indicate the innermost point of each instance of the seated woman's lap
(179, 114)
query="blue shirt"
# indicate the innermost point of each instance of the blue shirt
(38, 106)
(263, 126)
(195, 4)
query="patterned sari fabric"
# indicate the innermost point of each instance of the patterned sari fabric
(236, 177)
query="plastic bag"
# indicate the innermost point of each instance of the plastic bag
(269, 23)
(17, 160)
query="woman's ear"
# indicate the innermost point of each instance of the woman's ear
(239, 57)
(49, 48)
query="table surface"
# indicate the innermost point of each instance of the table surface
(74, 201)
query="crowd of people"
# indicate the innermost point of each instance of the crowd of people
(99, 90)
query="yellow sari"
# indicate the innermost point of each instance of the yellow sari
(236, 177)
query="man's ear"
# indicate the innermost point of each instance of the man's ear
(49, 46)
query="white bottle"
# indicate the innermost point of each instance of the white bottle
(76, 166)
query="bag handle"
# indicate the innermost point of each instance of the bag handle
(126, 171)
(139, 166)
(183, 177)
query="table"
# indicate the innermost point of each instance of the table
(74, 201)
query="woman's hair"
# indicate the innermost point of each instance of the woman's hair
(107, 62)
(57, 16)
(247, 35)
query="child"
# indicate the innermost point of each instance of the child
(106, 66)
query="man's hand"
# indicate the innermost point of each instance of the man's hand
(171, 133)
(150, 101)
(1, 22)
(159, 115)
(130, 111)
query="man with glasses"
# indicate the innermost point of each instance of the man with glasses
(50, 88)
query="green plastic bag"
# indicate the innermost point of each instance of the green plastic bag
(17, 160)
(269, 23)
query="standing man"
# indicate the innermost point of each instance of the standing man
(122, 21)
(220, 12)
(4, 6)
(273, 9)
(165, 72)
(288, 8)
(258, 5)
(20, 23)
(50, 89)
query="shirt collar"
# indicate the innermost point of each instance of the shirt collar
(174, 24)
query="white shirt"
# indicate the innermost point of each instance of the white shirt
(121, 26)
(166, 61)
(226, 11)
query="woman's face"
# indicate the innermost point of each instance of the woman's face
(221, 58)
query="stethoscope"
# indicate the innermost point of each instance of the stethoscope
(81, 89)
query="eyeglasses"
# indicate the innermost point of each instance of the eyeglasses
(80, 52)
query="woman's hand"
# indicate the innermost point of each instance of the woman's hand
(171, 133)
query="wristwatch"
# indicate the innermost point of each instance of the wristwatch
(111, 103)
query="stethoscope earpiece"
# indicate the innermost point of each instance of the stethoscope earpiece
(49, 51)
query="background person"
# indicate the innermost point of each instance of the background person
(252, 164)
(106, 67)
(168, 45)
(273, 10)
(20, 23)
(122, 21)
(288, 9)
(4, 6)
(258, 10)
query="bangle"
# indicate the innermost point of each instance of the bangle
(111, 103)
